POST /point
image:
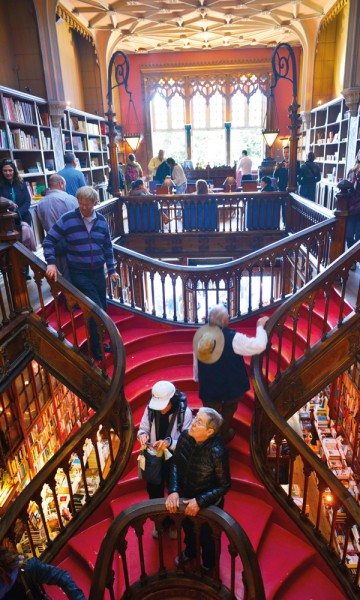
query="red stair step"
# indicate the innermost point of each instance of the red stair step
(280, 553)
(86, 543)
(313, 584)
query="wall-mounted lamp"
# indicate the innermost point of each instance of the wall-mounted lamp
(132, 139)
(122, 71)
(270, 133)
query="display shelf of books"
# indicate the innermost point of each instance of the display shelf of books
(25, 137)
(329, 138)
(38, 415)
(85, 135)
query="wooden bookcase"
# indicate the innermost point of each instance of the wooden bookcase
(37, 415)
(26, 138)
(85, 135)
(329, 138)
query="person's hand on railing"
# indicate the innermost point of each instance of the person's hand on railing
(172, 502)
(114, 277)
(52, 272)
(192, 508)
(262, 321)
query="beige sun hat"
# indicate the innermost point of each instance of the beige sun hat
(208, 344)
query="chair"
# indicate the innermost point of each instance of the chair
(190, 188)
(162, 189)
(250, 186)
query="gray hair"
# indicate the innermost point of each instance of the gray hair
(218, 315)
(214, 419)
(87, 193)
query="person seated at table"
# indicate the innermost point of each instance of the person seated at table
(200, 215)
(201, 187)
(138, 188)
(263, 213)
(266, 184)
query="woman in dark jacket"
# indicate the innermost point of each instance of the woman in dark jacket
(14, 189)
(309, 174)
(20, 580)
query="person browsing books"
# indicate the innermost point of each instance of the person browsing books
(14, 189)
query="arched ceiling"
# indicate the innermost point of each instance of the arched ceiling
(141, 26)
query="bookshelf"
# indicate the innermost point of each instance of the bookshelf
(26, 138)
(85, 135)
(37, 415)
(329, 138)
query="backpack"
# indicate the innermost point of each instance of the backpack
(132, 173)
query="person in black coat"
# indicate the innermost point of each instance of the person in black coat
(309, 174)
(266, 184)
(14, 189)
(162, 171)
(199, 472)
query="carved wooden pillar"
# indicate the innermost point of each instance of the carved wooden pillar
(8, 233)
(46, 20)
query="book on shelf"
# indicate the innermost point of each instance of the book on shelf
(3, 139)
(34, 168)
(43, 117)
(20, 112)
(19, 165)
(49, 164)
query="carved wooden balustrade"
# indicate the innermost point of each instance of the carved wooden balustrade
(26, 334)
(243, 580)
(311, 365)
(247, 285)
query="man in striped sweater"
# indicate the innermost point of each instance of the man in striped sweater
(88, 247)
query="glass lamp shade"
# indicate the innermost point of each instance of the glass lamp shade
(133, 140)
(270, 136)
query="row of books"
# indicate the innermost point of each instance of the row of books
(79, 143)
(3, 139)
(94, 145)
(20, 112)
(23, 141)
(46, 142)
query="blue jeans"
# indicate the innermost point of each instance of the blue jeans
(93, 285)
(181, 189)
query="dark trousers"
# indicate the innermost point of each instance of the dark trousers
(246, 177)
(93, 285)
(156, 490)
(352, 229)
(227, 411)
(206, 541)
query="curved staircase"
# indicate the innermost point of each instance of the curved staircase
(291, 567)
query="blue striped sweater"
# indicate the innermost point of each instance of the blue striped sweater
(85, 250)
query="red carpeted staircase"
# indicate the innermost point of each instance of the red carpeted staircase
(291, 568)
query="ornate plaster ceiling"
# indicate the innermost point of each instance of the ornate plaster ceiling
(143, 26)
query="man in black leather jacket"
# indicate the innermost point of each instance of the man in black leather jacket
(200, 472)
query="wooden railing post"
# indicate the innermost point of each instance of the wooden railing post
(8, 232)
(342, 214)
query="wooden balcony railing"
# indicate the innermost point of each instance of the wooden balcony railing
(63, 486)
(247, 285)
(312, 365)
(219, 212)
(243, 579)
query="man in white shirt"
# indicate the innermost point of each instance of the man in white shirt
(245, 166)
(219, 365)
(155, 162)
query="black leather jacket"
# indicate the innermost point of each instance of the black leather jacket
(200, 471)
